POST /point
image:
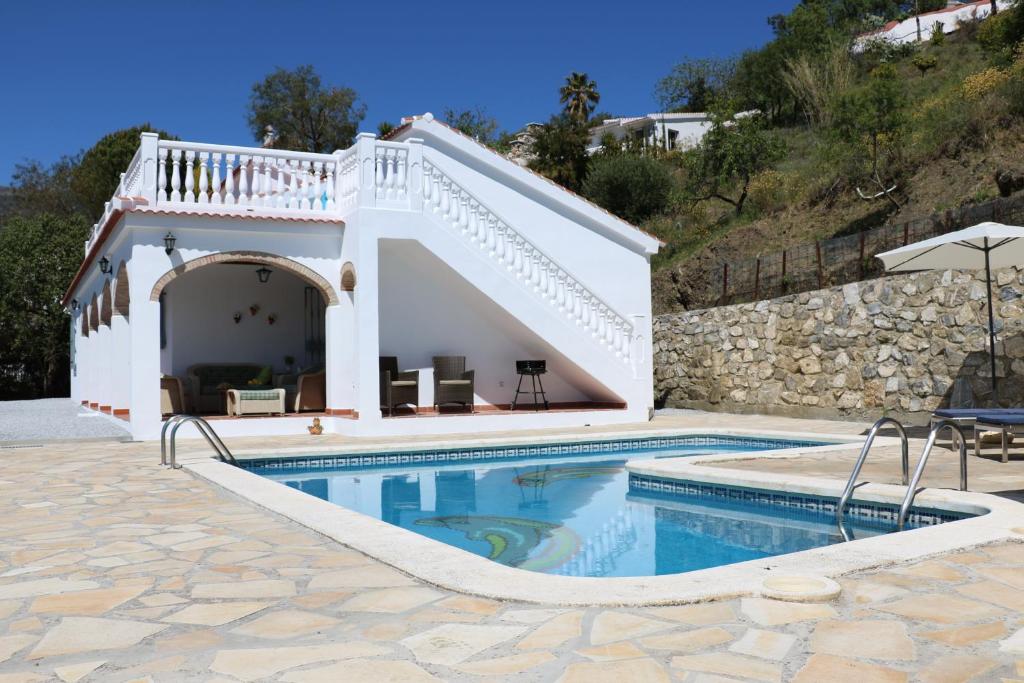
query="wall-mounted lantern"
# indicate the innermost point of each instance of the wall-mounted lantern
(104, 265)
(264, 274)
(74, 304)
(169, 241)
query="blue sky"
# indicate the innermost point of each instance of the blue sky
(71, 71)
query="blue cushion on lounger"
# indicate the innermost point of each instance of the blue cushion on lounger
(959, 413)
(1000, 419)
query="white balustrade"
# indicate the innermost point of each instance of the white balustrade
(508, 249)
(243, 176)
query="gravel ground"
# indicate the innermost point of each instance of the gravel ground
(55, 419)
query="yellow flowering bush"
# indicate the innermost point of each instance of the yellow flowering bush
(976, 86)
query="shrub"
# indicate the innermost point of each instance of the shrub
(925, 63)
(767, 191)
(977, 86)
(938, 34)
(630, 186)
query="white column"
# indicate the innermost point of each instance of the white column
(145, 365)
(339, 329)
(104, 385)
(367, 330)
(121, 360)
(75, 350)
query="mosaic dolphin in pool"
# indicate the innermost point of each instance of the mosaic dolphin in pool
(513, 539)
(547, 476)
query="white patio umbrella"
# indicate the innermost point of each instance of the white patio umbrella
(986, 245)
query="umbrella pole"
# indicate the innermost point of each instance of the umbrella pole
(991, 327)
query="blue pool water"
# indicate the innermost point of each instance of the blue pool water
(576, 513)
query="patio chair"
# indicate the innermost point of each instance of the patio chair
(397, 388)
(452, 382)
(311, 391)
(172, 396)
(1004, 422)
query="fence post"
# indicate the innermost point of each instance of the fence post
(906, 234)
(784, 285)
(860, 259)
(725, 282)
(757, 278)
(817, 248)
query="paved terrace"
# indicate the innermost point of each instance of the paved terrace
(114, 569)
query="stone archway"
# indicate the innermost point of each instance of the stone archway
(122, 296)
(348, 277)
(94, 314)
(106, 305)
(297, 269)
(85, 320)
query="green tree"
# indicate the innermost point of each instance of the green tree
(734, 150)
(579, 96)
(38, 257)
(560, 149)
(925, 63)
(473, 122)
(692, 84)
(80, 183)
(870, 122)
(384, 128)
(305, 114)
(96, 175)
(632, 187)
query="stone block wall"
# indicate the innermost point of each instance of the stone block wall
(894, 345)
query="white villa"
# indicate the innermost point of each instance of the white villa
(680, 130)
(265, 287)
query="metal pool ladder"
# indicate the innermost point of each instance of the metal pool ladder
(908, 500)
(851, 484)
(176, 421)
(910, 482)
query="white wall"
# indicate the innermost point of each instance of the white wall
(427, 309)
(200, 328)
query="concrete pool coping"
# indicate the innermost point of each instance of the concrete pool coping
(452, 568)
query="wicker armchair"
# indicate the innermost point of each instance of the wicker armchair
(311, 391)
(397, 388)
(452, 382)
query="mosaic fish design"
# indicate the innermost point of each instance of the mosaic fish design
(513, 539)
(550, 476)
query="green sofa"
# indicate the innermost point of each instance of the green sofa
(204, 380)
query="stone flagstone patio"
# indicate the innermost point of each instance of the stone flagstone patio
(114, 569)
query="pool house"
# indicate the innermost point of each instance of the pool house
(386, 289)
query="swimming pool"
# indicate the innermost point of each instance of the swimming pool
(573, 509)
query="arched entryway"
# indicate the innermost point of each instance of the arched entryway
(247, 321)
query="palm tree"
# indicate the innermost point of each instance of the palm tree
(579, 96)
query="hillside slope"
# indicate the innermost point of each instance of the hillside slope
(950, 163)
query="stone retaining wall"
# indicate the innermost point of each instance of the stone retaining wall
(892, 346)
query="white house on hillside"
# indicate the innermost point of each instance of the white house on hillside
(266, 287)
(946, 19)
(678, 130)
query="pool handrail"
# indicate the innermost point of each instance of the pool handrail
(203, 427)
(908, 500)
(851, 484)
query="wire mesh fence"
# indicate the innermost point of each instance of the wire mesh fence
(841, 260)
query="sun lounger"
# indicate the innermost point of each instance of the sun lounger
(1002, 422)
(965, 417)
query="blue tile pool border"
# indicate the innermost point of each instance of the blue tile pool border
(881, 513)
(454, 455)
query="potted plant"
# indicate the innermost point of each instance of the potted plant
(289, 364)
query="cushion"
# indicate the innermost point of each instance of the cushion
(404, 383)
(1000, 420)
(235, 375)
(974, 412)
(258, 394)
(265, 376)
(455, 381)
